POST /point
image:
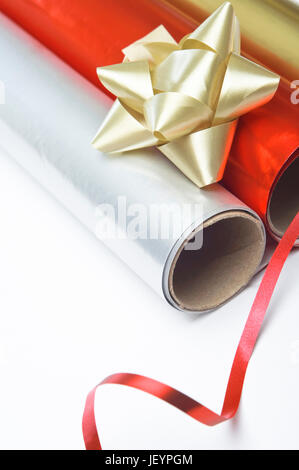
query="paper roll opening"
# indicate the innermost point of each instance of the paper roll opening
(284, 199)
(232, 249)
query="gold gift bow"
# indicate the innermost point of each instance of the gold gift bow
(185, 98)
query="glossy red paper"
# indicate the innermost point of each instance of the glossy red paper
(92, 33)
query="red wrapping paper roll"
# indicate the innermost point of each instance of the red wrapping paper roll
(89, 33)
(265, 148)
(263, 167)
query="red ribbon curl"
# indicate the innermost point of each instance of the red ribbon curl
(238, 371)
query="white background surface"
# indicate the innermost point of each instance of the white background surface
(72, 313)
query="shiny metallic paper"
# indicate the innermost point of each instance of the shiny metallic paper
(269, 29)
(185, 98)
(46, 124)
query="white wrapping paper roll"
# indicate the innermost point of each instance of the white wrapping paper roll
(47, 122)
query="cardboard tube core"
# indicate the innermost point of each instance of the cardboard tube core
(232, 248)
(284, 200)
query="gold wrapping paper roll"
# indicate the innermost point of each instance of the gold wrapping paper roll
(269, 29)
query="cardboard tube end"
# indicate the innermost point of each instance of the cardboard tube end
(284, 200)
(232, 249)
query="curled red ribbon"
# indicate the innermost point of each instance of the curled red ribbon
(238, 371)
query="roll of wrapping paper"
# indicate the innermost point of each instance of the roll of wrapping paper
(269, 29)
(263, 167)
(47, 122)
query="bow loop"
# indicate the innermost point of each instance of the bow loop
(130, 134)
(215, 34)
(129, 81)
(154, 47)
(246, 86)
(196, 73)
(172, 115)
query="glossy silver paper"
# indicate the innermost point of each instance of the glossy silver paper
(47, 122)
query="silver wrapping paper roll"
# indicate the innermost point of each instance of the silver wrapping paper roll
(47, 122)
